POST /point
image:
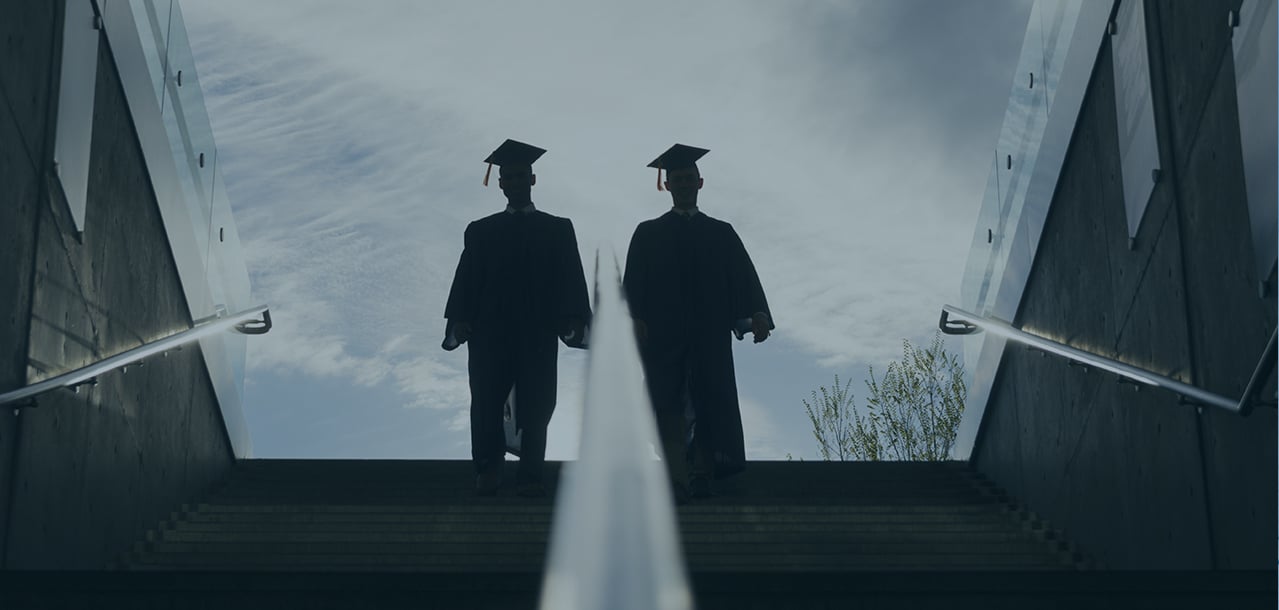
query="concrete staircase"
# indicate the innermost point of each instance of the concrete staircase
(376, 534)
(420, 516)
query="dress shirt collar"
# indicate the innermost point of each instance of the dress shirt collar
(690, 212)
(528, 209)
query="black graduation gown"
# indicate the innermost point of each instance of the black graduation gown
(691, 282)
(519, 284)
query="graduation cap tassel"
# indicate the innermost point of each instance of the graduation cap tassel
(659, 179)
(486, 174)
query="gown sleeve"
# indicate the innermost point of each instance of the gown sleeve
(575, 304)
(461, 303)
(747, 292)
(635, 278)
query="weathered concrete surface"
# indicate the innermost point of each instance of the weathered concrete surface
(27, 38)
(1228, 323)
(19, 192)
(1194, 40)
(1134, 478)
(92, 469)
(30, 35)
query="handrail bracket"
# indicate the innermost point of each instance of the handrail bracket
(255, 327)
(956, 327)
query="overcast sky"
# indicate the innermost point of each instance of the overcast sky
(850, 143)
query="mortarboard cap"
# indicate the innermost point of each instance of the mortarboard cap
(678, 156)
(512, 152)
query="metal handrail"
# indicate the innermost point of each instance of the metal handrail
(615, 536)
(970, 323)
(245, 322)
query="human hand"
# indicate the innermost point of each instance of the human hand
(574, 333)
(759, 326)
(575, 328)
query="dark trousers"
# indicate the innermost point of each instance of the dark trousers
(685, 460)
(495, 366)
(670, 385)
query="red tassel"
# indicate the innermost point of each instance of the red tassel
(486, 174)
(659, 179)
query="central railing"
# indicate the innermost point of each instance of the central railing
(614, 542)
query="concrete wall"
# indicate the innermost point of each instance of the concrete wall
(1134, 478)
(84, 474)
(26, 56)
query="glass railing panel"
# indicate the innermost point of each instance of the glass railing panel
(224, 360)
(213, 274)
(1016, 152)
(1058, 51)
(977, 271)
(153, 28)
(228, 279)
(975, 288)
(154, 58)
(1057, 23)
(196, 129)
(226, 254)
(186, 121)
(1070, 54)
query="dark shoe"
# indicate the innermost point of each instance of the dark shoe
(699, 488)
(486, 483)
(530, 490)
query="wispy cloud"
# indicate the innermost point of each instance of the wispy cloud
(849, 148)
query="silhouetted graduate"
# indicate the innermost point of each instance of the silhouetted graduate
(690, 285)
(519, 287)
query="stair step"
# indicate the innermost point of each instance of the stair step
(769, 546)
(887, 528)
(534, 561)
(499, 538)
(687, 523)
(899, 500)
(496, 562)
(698, 510)
(160, 588)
